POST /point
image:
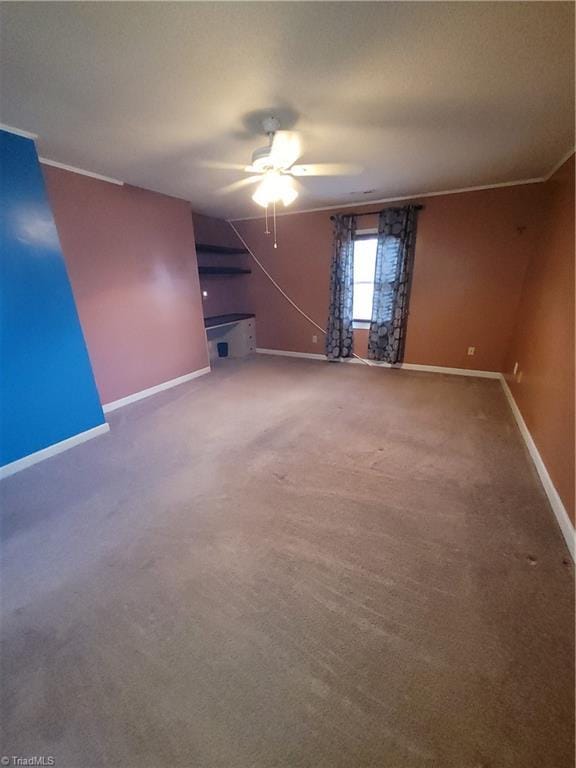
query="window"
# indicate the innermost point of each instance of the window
(364, 272)
(364, 268)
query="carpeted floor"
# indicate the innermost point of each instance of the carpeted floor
(290, 564)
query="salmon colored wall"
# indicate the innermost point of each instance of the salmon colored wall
(543, 344)
(225, 294)
(132, 264)
(214, 231)
(471, 254)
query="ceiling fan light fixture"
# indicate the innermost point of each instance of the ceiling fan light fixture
(275, 188)
(289, 195)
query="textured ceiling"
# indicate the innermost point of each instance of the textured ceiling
(424, 96)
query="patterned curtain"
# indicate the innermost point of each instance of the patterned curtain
(339, 337)
(394, 261)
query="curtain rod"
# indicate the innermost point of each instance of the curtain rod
(375, 213)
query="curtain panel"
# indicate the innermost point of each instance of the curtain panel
(339, 335)
(392, 279)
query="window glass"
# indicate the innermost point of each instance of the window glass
(364, 267)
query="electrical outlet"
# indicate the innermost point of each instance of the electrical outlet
(314, 339)
(471, 351)
(515, 371)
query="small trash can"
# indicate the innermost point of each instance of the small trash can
(222, 349)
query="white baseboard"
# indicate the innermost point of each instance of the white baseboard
(379, 364)
(52, 450)
(426, 368)
(286, 353)
(451, 371)
(154, 390)
(553, 496)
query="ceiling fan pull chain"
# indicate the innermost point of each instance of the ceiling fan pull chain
(274, 211)
(267, 230)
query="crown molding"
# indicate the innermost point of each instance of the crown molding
(560, 163)
(458, 191)
(81, 171)
(355, 204)
(536, 180)
(54, 163)
(18, 132)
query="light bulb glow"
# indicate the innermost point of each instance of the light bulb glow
(275, 187)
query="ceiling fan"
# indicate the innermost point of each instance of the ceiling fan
(274, 166)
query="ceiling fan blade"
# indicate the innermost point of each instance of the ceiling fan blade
(326, 169)
(220, 166)
(238, 185)
(286, 149)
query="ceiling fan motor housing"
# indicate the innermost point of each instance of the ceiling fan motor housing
(261, 156)
(270, 125)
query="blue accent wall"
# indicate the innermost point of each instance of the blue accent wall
(47, 389)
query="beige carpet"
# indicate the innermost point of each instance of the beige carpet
(290, 564)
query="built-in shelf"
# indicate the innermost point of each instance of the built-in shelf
(217, 321)
(223, 271)
(222, 249)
